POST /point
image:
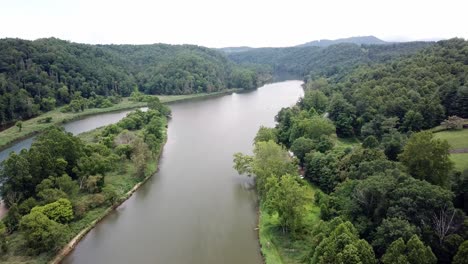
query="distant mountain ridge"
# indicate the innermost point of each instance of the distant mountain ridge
(359, 40)
(235, 49)
(368, 40)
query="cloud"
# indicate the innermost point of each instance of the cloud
(218, 23)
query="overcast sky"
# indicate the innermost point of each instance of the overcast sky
(221, 23)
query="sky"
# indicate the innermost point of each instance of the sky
(227, 23)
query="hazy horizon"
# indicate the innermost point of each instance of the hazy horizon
(217, 24)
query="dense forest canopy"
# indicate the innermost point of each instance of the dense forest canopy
(409, 94)
(328, 61)
(388, 191)
(36, 76)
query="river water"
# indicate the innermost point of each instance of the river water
(196, 209)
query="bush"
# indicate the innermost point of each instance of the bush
(96, 200)
(60, 211)
(41, 233)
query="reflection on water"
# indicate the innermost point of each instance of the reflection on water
(196, 209)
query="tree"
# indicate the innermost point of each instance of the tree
(370, 142)
(427, 158)
(413, 121)
(140, 156)
(390, 230)
(286, 197)
(322, 169)
(19, 125)
(12, 218)
(50, 195)
(393, 144)
(338, 242)
(462, 254)
(16, 178)
(413, 252)
(453, 123)
(266, 134)
(315, 99)
(66, 184)
(269, 160)
(60, 211)
(301, 146)
(94, 183)
(41, 233)
(312, 128)
(3, 233)
(324, 144)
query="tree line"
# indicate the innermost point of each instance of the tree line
(37, 76)
(335, 60)
(388, 190)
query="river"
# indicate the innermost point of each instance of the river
(196, 209)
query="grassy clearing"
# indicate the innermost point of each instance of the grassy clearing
(34, 126)
(456, 138)
(346, 142)
(279, 248)
(460, 160)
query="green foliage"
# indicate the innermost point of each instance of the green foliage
(427, 158)
(314, 99)
(312, 128)
(41, 233)
(390, 230)
(286, 197)
(16, 178)
(462, 255)
(26, 206)
(334, 60)
(269, 160)
(36, 76)
(50, 195)
(413, 252)
(266, 134)
(66, 184)
(460, 189)
(413, 121)
(301, 146)
(370, 142)
(63, 165)
(19, 125)
(3, 242)
(322, 169)
(393, 144)
(60, 211)
(338, 242)
(12, 219)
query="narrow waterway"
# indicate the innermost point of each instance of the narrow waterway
(196, 209)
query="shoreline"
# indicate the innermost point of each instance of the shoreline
(71, 245)
(166, 99)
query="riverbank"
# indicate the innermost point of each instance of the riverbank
(152, 168)
(36, 125)
(280, 248)
(122, 180)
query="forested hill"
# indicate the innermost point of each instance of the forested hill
(416, 92)
(397, 196)
(368, 40)
(329, 61)
(38, 75)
